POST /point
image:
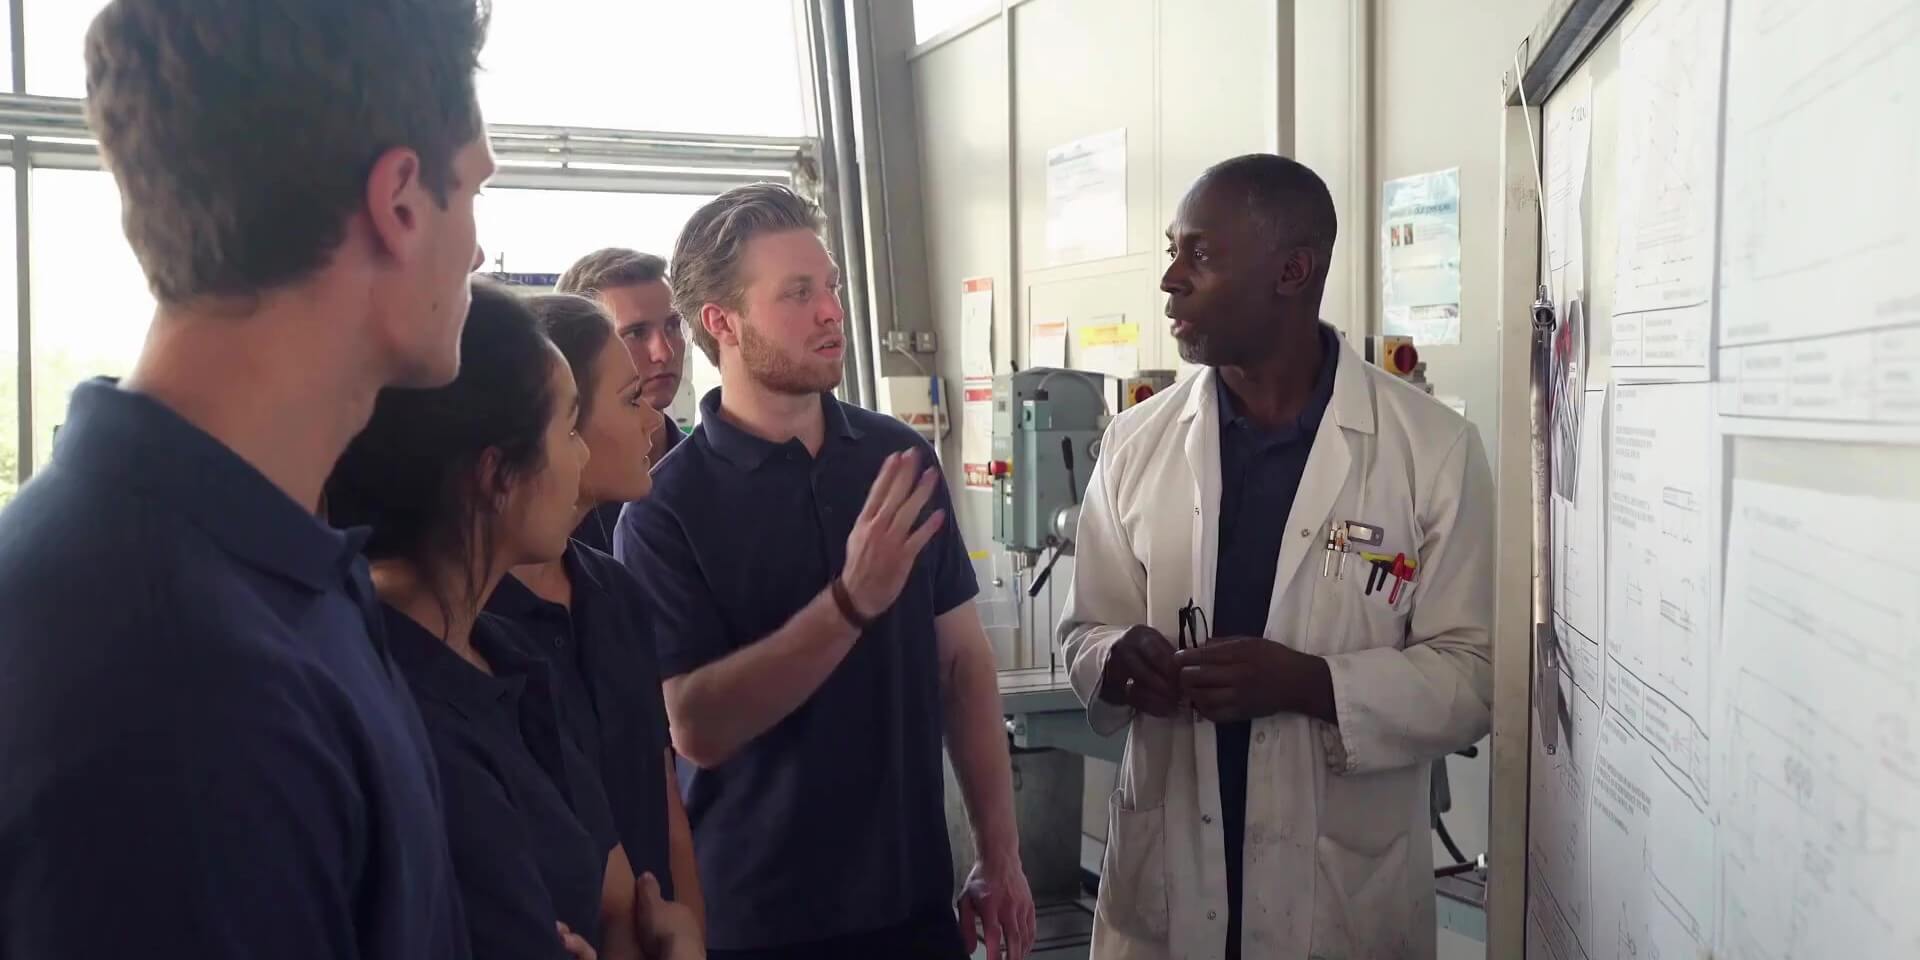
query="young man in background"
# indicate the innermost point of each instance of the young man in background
(633, 287)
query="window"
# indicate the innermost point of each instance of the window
(544, 231)
(56, 32)
(9, 347)
(91, 305)
(931, 17)
(703, 66)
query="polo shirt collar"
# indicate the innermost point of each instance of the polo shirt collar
(134, 439)
(749, 452)
(434, 670)
(1308, 421)
(516, 601)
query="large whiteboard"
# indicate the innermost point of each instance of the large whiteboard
(1733, 195)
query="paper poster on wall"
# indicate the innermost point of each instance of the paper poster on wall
(1087, 199)
(1819, 307)
(1569, 387)
(1668, 140)
(1661, 541)
(1568, 147)
(976, 431)
(1817, 756)
(976, 327)
(1108, 345)
(1047, 346)
(1420, 245)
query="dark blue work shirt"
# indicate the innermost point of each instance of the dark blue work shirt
(1260, 473)
(596, 528)
(608, 682)
(833, 822)
(205, 752)
(529, 827)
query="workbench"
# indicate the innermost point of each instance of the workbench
(1043, 713)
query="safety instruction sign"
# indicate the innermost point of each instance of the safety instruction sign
(976, 431)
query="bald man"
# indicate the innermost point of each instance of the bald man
(1289, 646)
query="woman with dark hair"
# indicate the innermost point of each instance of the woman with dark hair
(460, 484)
(590, 618)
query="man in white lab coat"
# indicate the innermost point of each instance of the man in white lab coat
(1283, 701)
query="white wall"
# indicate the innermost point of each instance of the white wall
(1191, 81)
(1330, 85)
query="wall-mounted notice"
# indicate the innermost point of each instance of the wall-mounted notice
(1047, 343)
(1109, 345)
(1568, 148)
(1669, 122)
(1087, 199)
(1651, 845)
(1579, 544)
(976, 431)
(1420, 245)
(1661, 540)
(976, 327)
(1819, 300)
(1819, 815)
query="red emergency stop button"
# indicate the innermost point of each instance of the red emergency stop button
(1405, 358)
(999, 468)
(1141, 392)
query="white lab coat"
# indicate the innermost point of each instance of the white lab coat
(1338, 863)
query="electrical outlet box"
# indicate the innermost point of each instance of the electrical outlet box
(925, 341)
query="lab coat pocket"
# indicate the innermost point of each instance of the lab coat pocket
(1350, 617)
(1133, 873)
(1362, 909)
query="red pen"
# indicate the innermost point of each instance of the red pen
(1401, 573)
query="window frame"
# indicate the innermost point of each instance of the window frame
(42, 133)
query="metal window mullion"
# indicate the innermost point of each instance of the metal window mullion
(63, 120)
(22, 157)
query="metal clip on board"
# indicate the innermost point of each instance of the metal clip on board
(1546, 643)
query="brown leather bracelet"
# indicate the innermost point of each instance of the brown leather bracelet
(844, 600)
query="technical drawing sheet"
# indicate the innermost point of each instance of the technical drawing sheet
(1559, 857)
(1579, 546)
(1669, 112)
(1662, 520)
(1560, 784)
(1820, 761)
(1650, 833)
(1569, 137)
(1820, 297)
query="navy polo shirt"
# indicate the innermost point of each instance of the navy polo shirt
(833, 822)
(529, 827)
(596, 528)
(205, 752)
(1260, 473)
(608, 683)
